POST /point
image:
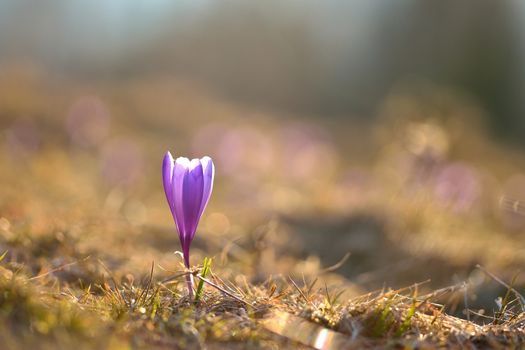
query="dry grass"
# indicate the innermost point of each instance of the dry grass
(89, 260)
(279, 313)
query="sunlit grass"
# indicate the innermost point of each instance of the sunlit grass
(157, 313)
(297, 243)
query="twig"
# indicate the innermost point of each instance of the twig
(442, 291)
(299, 290)
(205, 280)
(495, 278)
(172, 278)
(336, 265)
(217, 278)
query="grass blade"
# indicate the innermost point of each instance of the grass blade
(204, 272)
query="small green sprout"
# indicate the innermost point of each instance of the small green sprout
(204, 272)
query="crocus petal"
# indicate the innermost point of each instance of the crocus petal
(192, 197)
(167, 173)
(208, 170)
(180, 171)
(188, 186)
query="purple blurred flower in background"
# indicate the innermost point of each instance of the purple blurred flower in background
(87, 121)
(22, 138)
(458, 185)
(188, 185)
(121, 162)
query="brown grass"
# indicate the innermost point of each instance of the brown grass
(89, 262)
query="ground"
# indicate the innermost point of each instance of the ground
(322, 232)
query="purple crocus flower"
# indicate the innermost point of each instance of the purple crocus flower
(188, 185)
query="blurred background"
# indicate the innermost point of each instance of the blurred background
(390, 130)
